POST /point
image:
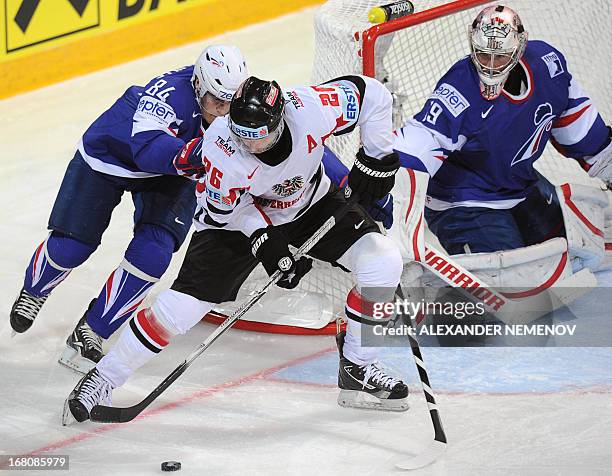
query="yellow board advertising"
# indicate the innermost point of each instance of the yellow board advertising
(45, 41)
(31, 23)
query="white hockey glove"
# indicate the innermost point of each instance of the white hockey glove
(602, 167)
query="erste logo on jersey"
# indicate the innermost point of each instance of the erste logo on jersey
(451, 98)
(224, 145)
(542, 119)
(350, 103)
(227, 202)
(289, 186)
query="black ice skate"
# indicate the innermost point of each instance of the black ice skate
(25, 309)
(92, 389)
(368, 386)
(83, 347)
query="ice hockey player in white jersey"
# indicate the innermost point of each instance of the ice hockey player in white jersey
(481, 130)
(129, 148)
(264, 189)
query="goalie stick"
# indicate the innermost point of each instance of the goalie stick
(106, 414)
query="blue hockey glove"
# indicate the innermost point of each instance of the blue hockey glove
(382, 211)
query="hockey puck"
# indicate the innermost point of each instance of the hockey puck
(170, 466)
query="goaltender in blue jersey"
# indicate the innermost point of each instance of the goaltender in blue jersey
(486, 123)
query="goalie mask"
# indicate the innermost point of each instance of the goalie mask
(497, 42)
(256, 115)
(217, 74)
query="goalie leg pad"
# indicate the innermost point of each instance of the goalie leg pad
(409, 196)
(534, 280)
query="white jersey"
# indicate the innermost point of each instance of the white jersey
(239, 192)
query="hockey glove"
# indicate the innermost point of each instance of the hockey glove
(188, 161)
(270, 247)
(371, 179)
(382, 211)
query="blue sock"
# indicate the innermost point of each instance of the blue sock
(52, 262)
(146, 259)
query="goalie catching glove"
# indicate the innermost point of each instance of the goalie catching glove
(270, 247)
(371, 179)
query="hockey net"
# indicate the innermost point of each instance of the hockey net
(410, 55)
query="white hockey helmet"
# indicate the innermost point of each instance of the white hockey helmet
(497, 42)
(219, 70)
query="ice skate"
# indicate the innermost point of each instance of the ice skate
(369, 386)
(83, 347)
(25, 309)
(92, 389)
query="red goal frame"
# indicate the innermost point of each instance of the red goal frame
(370, 36)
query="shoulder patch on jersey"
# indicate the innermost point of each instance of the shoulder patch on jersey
(553, 62)
(448, 95)
(155, 109)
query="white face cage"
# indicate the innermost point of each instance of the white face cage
(497, 42)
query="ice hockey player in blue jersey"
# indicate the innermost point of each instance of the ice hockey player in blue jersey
(486, 123)
(135, 146)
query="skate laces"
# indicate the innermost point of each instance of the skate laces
(377, 374)
(28, 305)
(94, 390)
(92, 340)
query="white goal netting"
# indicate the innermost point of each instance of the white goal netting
(411, 61)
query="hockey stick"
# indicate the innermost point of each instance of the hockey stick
(437, 448)
(105, 414)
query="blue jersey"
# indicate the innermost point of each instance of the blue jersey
(142, 132)
(481, 153)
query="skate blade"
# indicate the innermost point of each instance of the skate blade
(358, 399)
(67, 418)
(73, 360)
